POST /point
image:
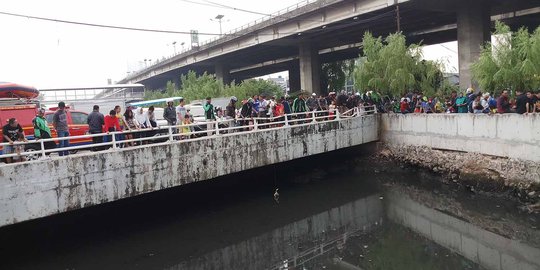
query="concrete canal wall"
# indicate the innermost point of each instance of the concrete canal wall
(45, 187)
(497, 150)
(504, 135)
(488, 249)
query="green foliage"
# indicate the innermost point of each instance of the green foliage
(334, 75)
(390, 67)
(195, 87)
(252, 87)
(512, 62)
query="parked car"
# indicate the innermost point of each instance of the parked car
(26, 113)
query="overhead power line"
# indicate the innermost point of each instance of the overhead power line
(173, 31)
(444, 46)
(105, 26)
(237, 9)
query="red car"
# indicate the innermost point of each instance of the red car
(25, 113)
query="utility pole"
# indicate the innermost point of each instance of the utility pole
(398, 19)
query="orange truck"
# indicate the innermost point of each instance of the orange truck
(25, 113)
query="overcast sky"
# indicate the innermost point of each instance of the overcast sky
(52, 54)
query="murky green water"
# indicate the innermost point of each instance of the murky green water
(334, 212)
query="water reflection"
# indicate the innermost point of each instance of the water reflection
(295, 243)
(479, 245)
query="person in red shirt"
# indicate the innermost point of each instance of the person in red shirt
(111, 124)
(404, 105)
(279, 112)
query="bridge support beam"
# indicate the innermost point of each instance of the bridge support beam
(294, 78)
(223, 73)
(473, 30)
(310, 68)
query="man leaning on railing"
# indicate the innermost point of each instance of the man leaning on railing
(11, 133)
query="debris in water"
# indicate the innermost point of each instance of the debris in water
(276, 195)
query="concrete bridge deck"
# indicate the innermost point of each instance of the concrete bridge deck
(51, 186)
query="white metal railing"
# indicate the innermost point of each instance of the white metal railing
(171, 134)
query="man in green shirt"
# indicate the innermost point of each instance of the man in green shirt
(299, 106)
(461, 103)
(42, 130)
(209, 115)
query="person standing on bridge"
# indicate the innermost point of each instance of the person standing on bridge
(181, 111)
(299, 106)
(11, 133)
(230, 114)
(311, 102)
(61, 126)
(42, 130)
(209, 115)
(95, 122)
(111, 125)
(246, 113)
(169, 113)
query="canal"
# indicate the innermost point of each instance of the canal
(342, 210)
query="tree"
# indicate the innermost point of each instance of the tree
(252, 87)
(195, 87)
(512, 62)
(391, 67)
(335, 74)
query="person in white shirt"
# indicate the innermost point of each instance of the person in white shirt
(181, 111)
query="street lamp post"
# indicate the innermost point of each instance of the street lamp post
(174, 46)
(218, 18)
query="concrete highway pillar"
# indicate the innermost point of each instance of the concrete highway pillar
(310, 68)
(222, 73)
(473, 30)
(294, 77)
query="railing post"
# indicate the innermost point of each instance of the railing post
(255, 124)
(217, 127)
(337, 114)
(286, 119)
(313, 116)
(113, 139)
(170, 134)
(42, 145)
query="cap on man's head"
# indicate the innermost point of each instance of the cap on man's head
(61, 104)
(313, 94)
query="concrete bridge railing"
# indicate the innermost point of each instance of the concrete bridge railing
(50, 186)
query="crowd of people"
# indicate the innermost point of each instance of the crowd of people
(472, 102)
(136, 123)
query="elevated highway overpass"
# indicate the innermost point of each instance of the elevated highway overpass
(300, 39)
